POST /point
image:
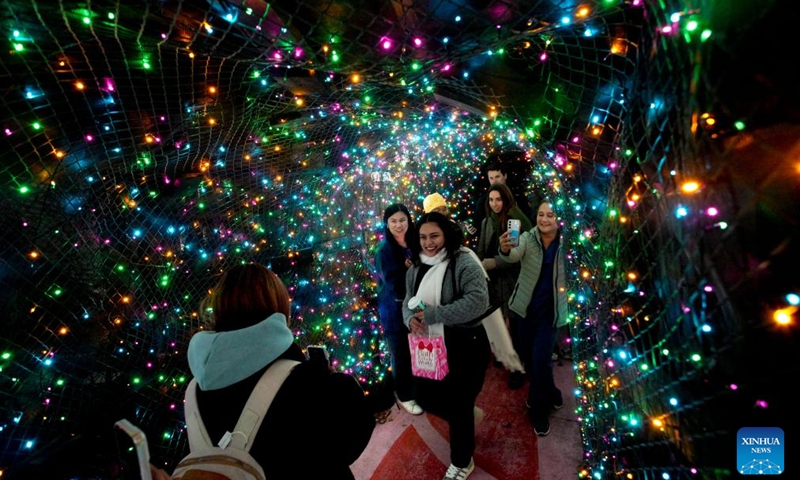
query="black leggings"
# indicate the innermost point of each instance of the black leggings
(453, 399)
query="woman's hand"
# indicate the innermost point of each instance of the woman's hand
(158, 474)
(506, 243)
(489, 263)
(418, 325)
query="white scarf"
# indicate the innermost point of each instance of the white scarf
(430, 287)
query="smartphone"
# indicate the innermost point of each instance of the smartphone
(133, 451)
(318, 353)
(514, 225)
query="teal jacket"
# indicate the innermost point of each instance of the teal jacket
(530, 252)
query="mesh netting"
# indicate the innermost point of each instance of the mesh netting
(150, 145)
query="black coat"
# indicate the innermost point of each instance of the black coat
(318, 423)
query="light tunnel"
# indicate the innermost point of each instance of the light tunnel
(149, 145)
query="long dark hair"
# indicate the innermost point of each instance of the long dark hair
(508, 202)
(412, 240)
(453, 235)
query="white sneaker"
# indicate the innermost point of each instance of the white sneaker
(411, 407)
(477, 412)
(456, 473)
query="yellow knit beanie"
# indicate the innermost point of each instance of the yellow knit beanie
(432, 202)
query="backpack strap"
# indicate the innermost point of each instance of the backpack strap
(195, 429)
(258, 404)
(252, 415)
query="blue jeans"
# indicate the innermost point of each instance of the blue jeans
(537, 338)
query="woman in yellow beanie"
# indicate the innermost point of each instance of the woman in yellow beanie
(435, 203)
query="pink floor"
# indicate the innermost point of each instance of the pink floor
(417, 447)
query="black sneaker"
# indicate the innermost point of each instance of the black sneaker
(541, 427)
(516, 380)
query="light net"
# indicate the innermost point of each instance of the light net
(150, 145)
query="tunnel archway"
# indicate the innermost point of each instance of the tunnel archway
(149, 145)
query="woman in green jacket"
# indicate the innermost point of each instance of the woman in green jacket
(539, 306)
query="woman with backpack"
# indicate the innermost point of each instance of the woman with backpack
(316, 412)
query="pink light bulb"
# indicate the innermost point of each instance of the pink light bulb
(417, 42)
(543, 56)
(712, 212)
(387, 44)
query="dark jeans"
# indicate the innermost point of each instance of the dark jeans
(538, 338)
(468, 354)
(401, 364)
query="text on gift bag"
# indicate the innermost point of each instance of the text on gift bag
(428, 357)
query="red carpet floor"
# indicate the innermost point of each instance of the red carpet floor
(417, 447)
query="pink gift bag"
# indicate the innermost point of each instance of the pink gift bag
(428, 356)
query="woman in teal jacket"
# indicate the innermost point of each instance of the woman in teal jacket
(539, 306)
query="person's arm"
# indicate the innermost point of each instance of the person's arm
(479, 214)
(472, 301)
(388, 271)
(407, 312)
(158, 474)
(480, 251)
(502, 260)
(488, 260)
(512, 254)
(347, 413)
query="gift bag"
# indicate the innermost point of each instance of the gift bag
(428, 356)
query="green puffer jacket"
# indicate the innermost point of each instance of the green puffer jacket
(530, 252)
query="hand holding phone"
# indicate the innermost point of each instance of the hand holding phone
(318, 353)
(514, 226)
